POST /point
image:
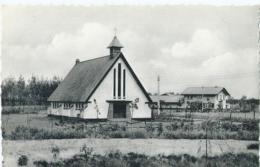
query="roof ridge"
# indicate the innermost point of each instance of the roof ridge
(93, 59)
(97, 58)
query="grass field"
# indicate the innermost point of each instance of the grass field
(41, 149)
(40, 120)
(214, 115)
(172, 127)
(37, 120)
(23, 109)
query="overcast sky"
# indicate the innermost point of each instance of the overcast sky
(185, 45)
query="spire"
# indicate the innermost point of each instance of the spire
(115, 43)
(115, 47)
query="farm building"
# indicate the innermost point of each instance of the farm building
(207, 97)
(101, 88)
(167, 103)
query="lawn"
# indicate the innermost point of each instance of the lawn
(40, 126)
(213, 115)
(41, 149)
(162, 136)
(36, 120)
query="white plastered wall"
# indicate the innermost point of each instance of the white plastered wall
(105, 92)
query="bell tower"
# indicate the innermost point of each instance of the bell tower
(115, 47)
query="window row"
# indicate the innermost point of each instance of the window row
(208, 105)
(79, 106)
(56, 105)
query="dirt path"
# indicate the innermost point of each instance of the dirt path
(41, 149)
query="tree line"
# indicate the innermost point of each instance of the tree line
(35, 91)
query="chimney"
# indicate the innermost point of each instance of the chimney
(77, 61)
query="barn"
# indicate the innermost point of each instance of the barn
(102, 88)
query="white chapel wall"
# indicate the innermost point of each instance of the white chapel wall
(105, 92)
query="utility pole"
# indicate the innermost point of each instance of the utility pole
(158, 92)
(158, 85)
(207, 144)
(202, 99)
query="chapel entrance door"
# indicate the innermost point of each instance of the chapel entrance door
(119, 110)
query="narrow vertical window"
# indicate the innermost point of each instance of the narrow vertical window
(114, 89)
(119, 80)
(124, 83)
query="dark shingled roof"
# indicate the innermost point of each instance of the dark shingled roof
(204, 91)
(83, 79)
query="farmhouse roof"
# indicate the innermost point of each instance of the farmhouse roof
(115, 43)
(204, 91)
(84, 78)
(167, 98)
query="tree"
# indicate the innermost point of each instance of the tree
(253, 103)
(8, 91)
(243, 104)
(21, 89)
(34, 91)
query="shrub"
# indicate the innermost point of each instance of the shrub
(23, 160)
(149, 128)
(22, 132)
(86, 150)
(138, 134)
(173, 126)
(117, 134)
(115, 163)
(254, 146)
(41, 163)
(250, 125)
(55, 152)
(117, 159)
(160, 129)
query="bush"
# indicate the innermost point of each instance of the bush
(22, 132)
(160, 129)
(86, 150)
(250, 125)
(117, 159)
(41, 163)
(253, 146)
(139, 134)
(179, 134)
(55, 152)
(117, 134)
(23, 160)
(13, 110)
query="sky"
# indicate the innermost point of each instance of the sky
(185, 45)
